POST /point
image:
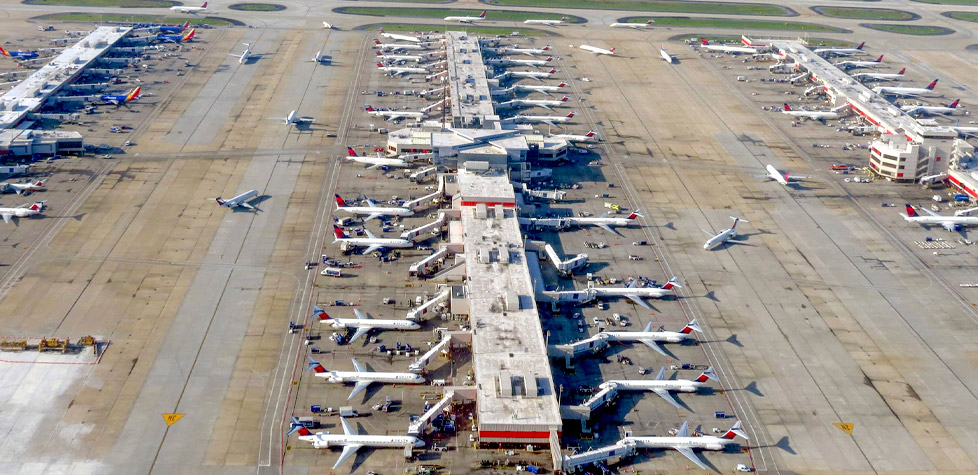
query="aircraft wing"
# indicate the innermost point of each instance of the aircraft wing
(244, 204)
(928, 211)
(348, 451)
(375, 165)
(358, 388)
(655, 346)
(373, 216)
(664, 394)
(359, 367)
(358, 333)
(639, 300)
(688, 452)
(709, 233)
(7, 216)
(372, 248)
(550, 123)
(306, 119)
(359, 314)
(608, 228)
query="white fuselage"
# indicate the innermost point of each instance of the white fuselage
(663, 336)
(401, 70)
(543, 22)
(542, 118)
(189, 9)
(666, 56)
(637, 26)
(370, 376)
(929, 110)
(401, 57)
(524, 62)
(731, 49)
(240, 199)
(244, 56)
(398, 114)
(382, 242)
(322, 440)
(464, 19)
(703, 442)
(20, 212)
(380, 161)
(539, 88)
(902, 91)
(577, 138)
(945, 220)
(596, 50)
(395, 36)
(394, 46)
(368, 210)
(776, 175)
(372, 323)
(21, 187)
(815, 115)
(530, 74)
(525, 50)
(647, 292)
(877, 76)
(857, 64)
(724, 236)
(577, 221)
(837, 51)
(680, 385)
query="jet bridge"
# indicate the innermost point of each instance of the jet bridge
(417, 313)
(579, 348)
(418, 267)
(423, 361)
(417, 427)
(621, 449)
(427, 228)
(569, 266)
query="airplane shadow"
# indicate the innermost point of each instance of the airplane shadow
(751, 388)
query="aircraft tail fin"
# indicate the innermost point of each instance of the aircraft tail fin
(37, 206)
(189, 36)
(315, 366)
(736, 430)
(635, 214)
(690, 327)
(954, 104)
(612, 50)
(932, 85)
(4, 52)
(297, 426)
(673, 283)
(483, 14)
(340, 203)
(861, 45)
(318, 311)
(787, 108)
(708, 374)
(879, 60)
(786, 177)
(902, 71)
(338, 233)
(350, 152)
(911, 212)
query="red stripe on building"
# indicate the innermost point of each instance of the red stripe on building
(964, 188)
(513, 434)
(488, 203)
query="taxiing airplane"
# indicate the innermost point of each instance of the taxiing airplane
(120, 99)
(813, 115)
(245, 55)
(174, 29)
(183, 9)
(371, 242)
(21, 188)
(666, 56)
(932, 110)
(372, 211)
(396, 46)
(363, 324)
(467, 19)
(727, 235)
(20, 55)
(840, 51)
(395, 36)
(879, 76)
(400, 57)
(859, 64)
(396, 70)
(21, 211)
(319, 58)
(546, 119)
(591, 136)
(653, 339)
(774, 175)
(635, 293)
(375, 162)
(685, 444)
(350, 440)
(362, 377)
(394, 115)
(637, 26)
(240, 201)
(662, 386)
(900, 91)
(951, 223)
(596, 50)
(545, 22)
(177, 38)
(293, 119)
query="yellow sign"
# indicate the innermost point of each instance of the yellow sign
(171, 418)
(845, 426)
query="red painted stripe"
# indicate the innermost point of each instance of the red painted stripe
(512, 434)
(488, 203)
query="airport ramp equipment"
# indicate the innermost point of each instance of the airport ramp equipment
(417, 313)
(424, 230)
(621, 449)
(423, 361)
(566, 267)
(421, 265)
(417, 427)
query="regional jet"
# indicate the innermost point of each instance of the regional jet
(662, 386)
(685, 444)
(372, 211)
(467, 19)
(239, 201)
(652, 339)
(362, 377)
(350, 440)
(637, 26)
(194, 10)
(21, 188)
(375, 162)
(774, 175)
(545, 22)
(596, 50)
(363, 324)
(21, 211)
(371, 242)
(951, 223)
(727, 235)
(293, 119)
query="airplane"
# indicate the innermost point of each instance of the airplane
(591, 136)
(363, 324)
(327, 26)
(652, 339)
(177, 38)
(545, 22)
(120, 99)
(774, 175)
(539, 76)
(859, 64)
(524, 62)
(244, 55)
(238, 201)
(350, 440)
(319, 58)
(635, 293)
(879, 76)
(727, 235)
(534, 102)
(393, 46)
(372, 211)
(371, 242)
(813, 115)
(683, 443)
(596, 50)
(906, 91)
(637, 26)
(841, 51)
(375, 162)
(394, 115)
(951, 223)
(174, 29)
(21, 55)
(183, 9)
(361, 377)
(530, 51)
(547, 119)
(704, 43)
(395, 36)
(544, 89)
(603, 222)
(21, 188)
(467, 19)
(662, 386)
(395, 70)
(932, 110)
(666, 56)
(21, 211)
(400, 57)
(293, 119)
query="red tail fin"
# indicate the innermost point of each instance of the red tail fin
(902, 71)
(786, 176)
(633, 215)
(787, 108)
(912, 213)
(185, 26)
(563, 99)
(589, 134)
(338, 232)
(954, 104)
(552, 70)
(880, 59)
(350, 152)
(380, 65)
(550, 58)
(612, 50)
(702, 379)
(570, 116)
(562, 84)
(376, 42)
(339, 202)
(704, 41)
(483, 14)
(932, 85)
(861, 45)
